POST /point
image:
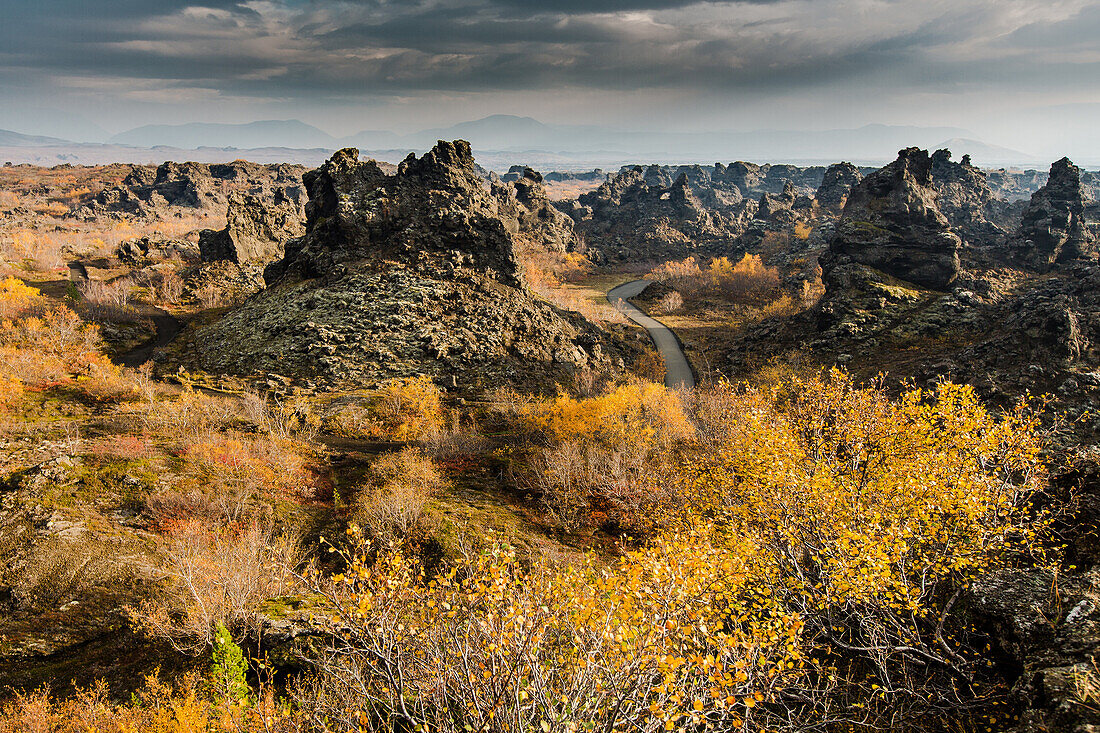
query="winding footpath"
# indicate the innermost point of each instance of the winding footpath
(677, 370)
(167, 327)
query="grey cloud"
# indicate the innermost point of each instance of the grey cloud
(348, 50)
(1083, 29)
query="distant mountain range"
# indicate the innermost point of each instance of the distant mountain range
(501, 140)
(19, 140)
(262, 134)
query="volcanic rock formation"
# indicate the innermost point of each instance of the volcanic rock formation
(777, 209)
(836, 185)
(964, 197)
(255, 233)
(412, 273)
(527, 211)
(154, 193)
(891, 223)
(1053, 229)
(636, 215)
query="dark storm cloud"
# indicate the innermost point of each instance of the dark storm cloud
(283, 49)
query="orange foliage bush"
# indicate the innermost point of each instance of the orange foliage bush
(237, 468)
(684, 276)
(637, 411)
(53, 348)
(645, 645)
(189, 705)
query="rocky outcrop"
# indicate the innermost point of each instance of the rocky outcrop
(747, 177)
(1049, 625)
(754, 180)
(397, 275)
(891, 223)
(964, 197)
(434, 213)
(1046, 622)
(835, 186)
(147, 250)
(1053, 229)
(639, 216)
(778, 210)
(256, 232)
(527, 211)
(149, 192)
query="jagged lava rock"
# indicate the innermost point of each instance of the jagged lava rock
(172, 188)
(836, 185)
(638, 216)
(433, 213)
(397, 275)
(256, 231)
(527, 211)
(777, 208)
(1053, 229)
(964, 197)
(891, 223)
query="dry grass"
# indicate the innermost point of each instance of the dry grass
(670, 303)
(568, 190)
(107, 301)
(58, 570)
(400, 485)
(1086, 680)
(217, 575)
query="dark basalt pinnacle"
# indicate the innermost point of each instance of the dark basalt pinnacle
(891, 223)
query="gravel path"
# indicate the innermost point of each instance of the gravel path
(677, 370)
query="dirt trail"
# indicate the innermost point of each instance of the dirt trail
(168, 327)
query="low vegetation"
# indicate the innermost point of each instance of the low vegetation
(784, 556)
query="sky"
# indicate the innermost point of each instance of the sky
(1020, 73)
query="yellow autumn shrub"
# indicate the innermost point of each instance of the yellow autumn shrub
(748, 279)
(403, 410)
(666, 639)
(810, 581)
(15, 297)
(604, 457)
(635, 411)
(871, 517)
(186, 705)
